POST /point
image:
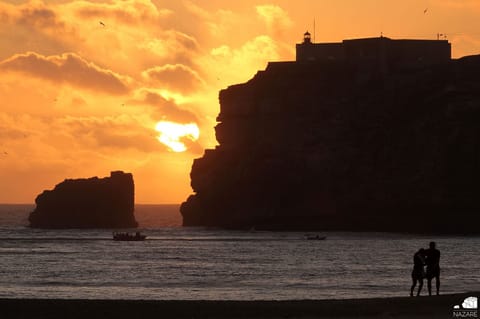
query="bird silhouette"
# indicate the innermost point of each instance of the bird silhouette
(425, 11)
(101, 23)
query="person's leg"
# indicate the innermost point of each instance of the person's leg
(414, 283)
(429, 286)
(420, 286)
(437, 281)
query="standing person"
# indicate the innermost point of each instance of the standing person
(433, 267)
(417, 273)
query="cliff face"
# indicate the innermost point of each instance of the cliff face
(344, 147)
(87, 203)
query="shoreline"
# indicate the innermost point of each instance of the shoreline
(392, 307)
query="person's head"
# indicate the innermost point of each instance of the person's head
(432, 245)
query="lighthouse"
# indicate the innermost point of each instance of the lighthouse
(307, 38)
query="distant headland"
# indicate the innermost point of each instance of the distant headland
(87, 203)
(368, 134)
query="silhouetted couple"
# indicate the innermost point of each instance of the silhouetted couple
(431, 258)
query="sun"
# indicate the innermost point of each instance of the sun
(171, 134)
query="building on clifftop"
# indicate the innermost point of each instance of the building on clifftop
(382, 52)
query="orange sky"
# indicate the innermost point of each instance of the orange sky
(84, 84)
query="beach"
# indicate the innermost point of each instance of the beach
(396, 307)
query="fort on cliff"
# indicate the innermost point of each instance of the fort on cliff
(368, 134)
(384, 54)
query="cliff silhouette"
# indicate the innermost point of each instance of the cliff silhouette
(345, 145)
(87, 203)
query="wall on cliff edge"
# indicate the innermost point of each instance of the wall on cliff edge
(87, 203)
(343, 147)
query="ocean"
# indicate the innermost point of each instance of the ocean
(185, 263)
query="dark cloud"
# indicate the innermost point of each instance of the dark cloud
(165, 109)
(193, 147)
(11, 133)
(111, 133)
(176, 77)
(67, 68)
(39, 16)
(30, 14)
(33, 26)
(186, 41)
(144, 140)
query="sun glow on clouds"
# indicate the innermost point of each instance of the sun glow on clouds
(172, 134)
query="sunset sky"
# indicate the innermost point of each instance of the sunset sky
(87, 87)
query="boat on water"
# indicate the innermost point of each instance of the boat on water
(129, 237)
(315, 237)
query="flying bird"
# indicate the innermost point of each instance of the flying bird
(425, 11)
(101, 23)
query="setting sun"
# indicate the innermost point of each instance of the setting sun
(172, 134)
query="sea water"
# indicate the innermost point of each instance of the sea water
(206, 264)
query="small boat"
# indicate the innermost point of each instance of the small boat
(129, 237)
(315, 237)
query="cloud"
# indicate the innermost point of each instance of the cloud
(165, 109)
(110, 132)
(115, 134)
(240, 63)
(137, 35)
(38, 15)
(162, 46)
(126, 11)
(171, 46)
(67, 68)
(11, 132)
(176, 77)
(276, 19)
(219, 24)
(33, 14)
(33, 26)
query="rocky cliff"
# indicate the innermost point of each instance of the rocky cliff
(87, 203)
(345, 147)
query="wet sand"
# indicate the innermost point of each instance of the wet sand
(398, 307)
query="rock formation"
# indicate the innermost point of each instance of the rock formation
(87, 203)
(342, 146)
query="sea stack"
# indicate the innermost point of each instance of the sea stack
(363, 135)
(87, 203)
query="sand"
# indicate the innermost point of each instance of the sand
(398, 307)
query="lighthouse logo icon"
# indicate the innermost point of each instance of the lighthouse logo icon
(468, 309)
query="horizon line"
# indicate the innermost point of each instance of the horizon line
(134, 204)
